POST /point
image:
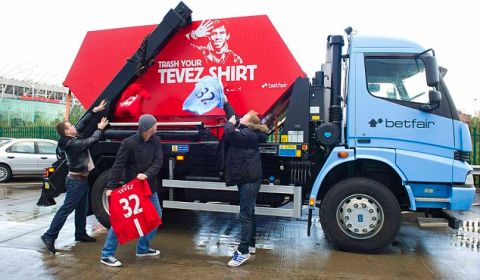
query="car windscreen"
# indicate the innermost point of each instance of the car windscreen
(3, 142)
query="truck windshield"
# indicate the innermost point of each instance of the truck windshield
(397, 78)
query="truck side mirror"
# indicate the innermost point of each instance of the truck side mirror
(373, 87)
(434, 98)
(431, 70)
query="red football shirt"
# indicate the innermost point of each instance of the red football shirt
(130, 103)
(132, 214)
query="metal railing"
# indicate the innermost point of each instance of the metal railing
(29, 132)
(475, 156)
(293, 212)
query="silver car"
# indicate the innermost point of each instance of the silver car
(25, 157)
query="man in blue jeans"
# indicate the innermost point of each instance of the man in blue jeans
(243, 167)
(80, 163)
(140, 156)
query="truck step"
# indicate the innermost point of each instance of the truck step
(295, 212)
(432, 199)
(432, 222)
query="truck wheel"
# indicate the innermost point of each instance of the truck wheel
(5, 173)
(360, 215)
(99, 199)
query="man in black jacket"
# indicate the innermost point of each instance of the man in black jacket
(244, 169)
(80, 163)
(140, 156)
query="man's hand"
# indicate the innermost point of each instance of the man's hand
(108, 192)
(232, 120)
(100, 107)
(203, 29)
(103, 123)
(141, 176)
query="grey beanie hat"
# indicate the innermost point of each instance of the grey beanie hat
(145, 122)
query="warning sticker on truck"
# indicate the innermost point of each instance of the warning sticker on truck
(180, 148)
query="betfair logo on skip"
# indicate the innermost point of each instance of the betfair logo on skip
(414, 123)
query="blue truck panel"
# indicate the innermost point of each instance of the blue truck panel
(423, 167)
(463, 140)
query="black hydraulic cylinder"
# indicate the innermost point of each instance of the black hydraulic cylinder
(139, 62)
(153, 43)
(335, 111)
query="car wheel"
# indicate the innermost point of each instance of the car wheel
(360, 215)
(99, 199)
(5, 173)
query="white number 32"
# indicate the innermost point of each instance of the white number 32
(126, 206)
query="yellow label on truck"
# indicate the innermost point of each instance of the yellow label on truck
(288, 147)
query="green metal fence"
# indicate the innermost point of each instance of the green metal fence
(475, 156)
(29, 132)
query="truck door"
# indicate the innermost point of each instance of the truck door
(389, 92)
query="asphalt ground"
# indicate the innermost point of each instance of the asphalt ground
(197, 245)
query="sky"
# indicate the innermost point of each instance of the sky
(40, 39)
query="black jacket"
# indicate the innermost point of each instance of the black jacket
(242, 162)
(137, 156)
(76, 148)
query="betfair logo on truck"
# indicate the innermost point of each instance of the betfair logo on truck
(413, 123)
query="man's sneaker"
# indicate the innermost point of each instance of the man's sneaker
(49, 244)
(252, 250)
(238, 259)
(150, 253)
(110, 261)
(85, 238)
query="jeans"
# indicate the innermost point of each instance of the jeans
(76, 199)
(248, 198)
(143, 243)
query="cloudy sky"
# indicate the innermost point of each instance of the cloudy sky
(41, 38)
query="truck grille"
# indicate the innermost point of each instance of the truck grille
(462, 156)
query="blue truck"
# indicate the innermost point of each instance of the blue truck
(374, 133)
(401, 144)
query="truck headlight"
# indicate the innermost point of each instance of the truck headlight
(469, 180)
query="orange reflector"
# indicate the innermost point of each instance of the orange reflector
(304, 147)
(180, 157)
(48, 171)
(342, 154)
(312, 201)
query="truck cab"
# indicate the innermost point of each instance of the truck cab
(402, 144)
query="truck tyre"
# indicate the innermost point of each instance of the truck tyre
(360, 215)
(99, 199)
(5, 173)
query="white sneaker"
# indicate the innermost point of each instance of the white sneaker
(150, 253)
(252, 250)
(110, 261)
(238, 259)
